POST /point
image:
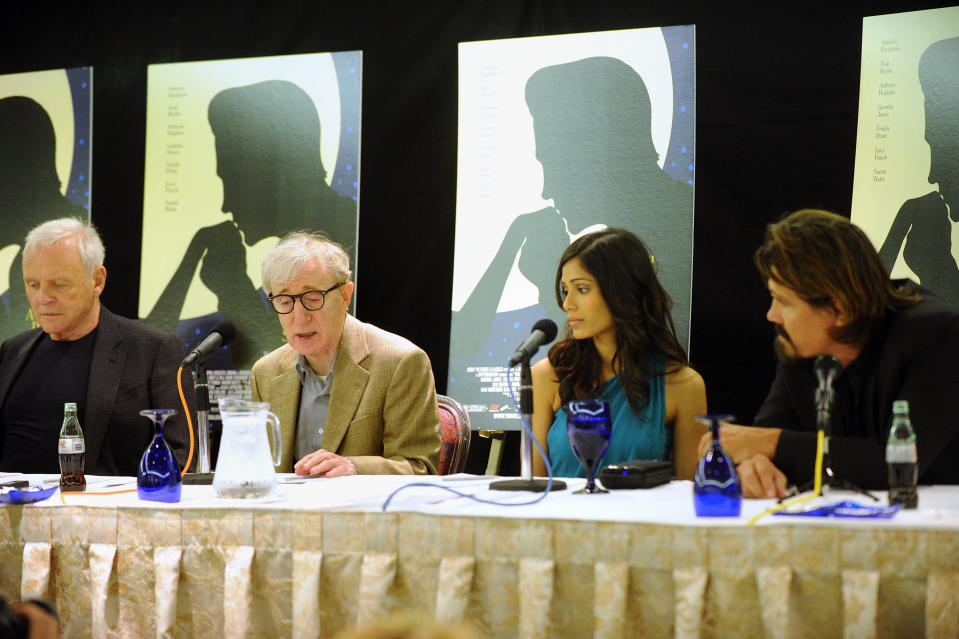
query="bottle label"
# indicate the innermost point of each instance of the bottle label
(901, 454)
(71, 446)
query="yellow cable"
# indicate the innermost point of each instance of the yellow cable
(817, 479)
(816, 492)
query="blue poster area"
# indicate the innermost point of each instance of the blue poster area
(657, 206)
(680, 156)
(479, 382)
(223, 377)
(78, 185)
(30, 182)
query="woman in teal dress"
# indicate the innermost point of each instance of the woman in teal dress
(621, 345)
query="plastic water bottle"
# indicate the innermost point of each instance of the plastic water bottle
(72, 450)
(716, 491)
(901, 458)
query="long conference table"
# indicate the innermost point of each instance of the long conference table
(322, 555)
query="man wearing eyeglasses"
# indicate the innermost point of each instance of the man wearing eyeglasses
(351, 398)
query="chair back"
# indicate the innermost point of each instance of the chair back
(455, 431)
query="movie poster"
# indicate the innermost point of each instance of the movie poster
(906, 189)
(560, 136)
(45, 145)
(239, 153)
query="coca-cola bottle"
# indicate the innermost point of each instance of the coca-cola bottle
(901, 458)
(72, 450)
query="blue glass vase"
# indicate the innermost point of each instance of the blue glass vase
(716, 491)
(158, 477)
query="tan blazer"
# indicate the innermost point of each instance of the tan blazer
(382, 413)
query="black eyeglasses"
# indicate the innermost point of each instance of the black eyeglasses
(311, 300)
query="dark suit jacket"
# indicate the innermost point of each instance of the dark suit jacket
(133, 367)
(914, 356)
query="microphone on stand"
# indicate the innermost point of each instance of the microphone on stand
(220, 335)
(827, 369)
(544, 331)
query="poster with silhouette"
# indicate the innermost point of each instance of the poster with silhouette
(906, 188)
(560, 136)
(239, 153)
(45, 146)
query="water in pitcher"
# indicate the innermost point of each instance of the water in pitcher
(245, 467)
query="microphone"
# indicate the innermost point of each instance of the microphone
(827, 369)
(544, 332)
(221, 335)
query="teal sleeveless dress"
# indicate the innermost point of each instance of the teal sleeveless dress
(643, 436)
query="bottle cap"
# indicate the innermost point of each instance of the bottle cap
(69, 406)
(900, 406)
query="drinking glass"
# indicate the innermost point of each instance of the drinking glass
(588, 427)
(158, 477)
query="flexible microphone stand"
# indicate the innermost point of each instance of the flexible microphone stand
(526, 443)
(203, 474)
(824, 403)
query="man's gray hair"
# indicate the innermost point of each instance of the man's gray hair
(88, 240)
(295, 251)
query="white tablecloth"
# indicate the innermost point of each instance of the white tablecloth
(321, 555)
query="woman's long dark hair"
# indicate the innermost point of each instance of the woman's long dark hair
(640, 307)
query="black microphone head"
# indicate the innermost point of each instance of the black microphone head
(826, 367)
(548, 327)
(226, 330)
(827, 363)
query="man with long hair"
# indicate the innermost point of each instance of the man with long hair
(894, 340)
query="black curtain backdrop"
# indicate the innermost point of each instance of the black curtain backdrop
(777, 94)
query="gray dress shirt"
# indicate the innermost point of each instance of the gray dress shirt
(314, 403)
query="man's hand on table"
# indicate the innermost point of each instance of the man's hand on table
(742, 442)
(751, 449)
(323, 462)
(759, 478)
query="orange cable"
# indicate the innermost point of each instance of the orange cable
(83, 492)
(189, 422)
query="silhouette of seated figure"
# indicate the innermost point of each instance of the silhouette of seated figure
(29, 194)
(592, 129)
(268, 158)
(922, 227)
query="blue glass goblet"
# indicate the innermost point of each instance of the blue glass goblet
(158, 477)
(588, 427)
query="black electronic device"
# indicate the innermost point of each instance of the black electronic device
(638, 473)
